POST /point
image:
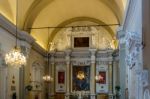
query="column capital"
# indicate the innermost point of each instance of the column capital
(67, 57)
(93, 51)
(25, 48)
(110, 62)
(93, 58)
(52, 53)
(68, 52)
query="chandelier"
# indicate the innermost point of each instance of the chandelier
(15, 57)
(47, 78)
(81, 75)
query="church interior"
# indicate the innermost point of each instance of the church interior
(74, 49)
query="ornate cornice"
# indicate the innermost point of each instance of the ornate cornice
(11, 28)
(22, 35)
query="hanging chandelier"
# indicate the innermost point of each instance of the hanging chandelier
(47, 78)
(15, 58)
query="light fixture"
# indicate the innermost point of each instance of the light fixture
(80, 75)
(15, 58)
(48, 78)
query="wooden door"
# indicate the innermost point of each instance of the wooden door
(60, 96)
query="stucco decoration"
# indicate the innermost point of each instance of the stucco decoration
(37, 74)
(144, 78)
(146, 94)
(133, 47)
(98, 38)
(2, 61)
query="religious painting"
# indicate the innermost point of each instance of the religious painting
(81, 78)
(81, 42)
(101, 77)
(61, 77)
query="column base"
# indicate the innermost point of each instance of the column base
(93, 96)
(67, 96)
(52, 96)
(111, 96)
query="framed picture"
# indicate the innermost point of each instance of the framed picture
(60, 81)
(81, 42)
(102, 77)
(80, 78)
(61, 77)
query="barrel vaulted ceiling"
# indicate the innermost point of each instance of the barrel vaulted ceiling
(60, 13)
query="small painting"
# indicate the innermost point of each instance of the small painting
(61, 77)
(81, 42)
(102, 77)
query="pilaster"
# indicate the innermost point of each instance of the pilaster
(92, 74)
(52, 74)
(24, 73)
(122, 64)
(67, 58)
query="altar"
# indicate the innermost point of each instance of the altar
(83, 66)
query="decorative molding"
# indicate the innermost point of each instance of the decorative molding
(81, 62)
(144, 78)
(93, 57)
(102, 62)
(39, 49)
(11, 28)
(81, 57)
(133, 47)
(60, 62)
(7, 25)
(146, 94)
(2, 60)
(22, 35)
(121, 36)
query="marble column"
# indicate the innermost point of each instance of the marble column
(52, 74)
(122, 62)
(67, 73)
(92, 73)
